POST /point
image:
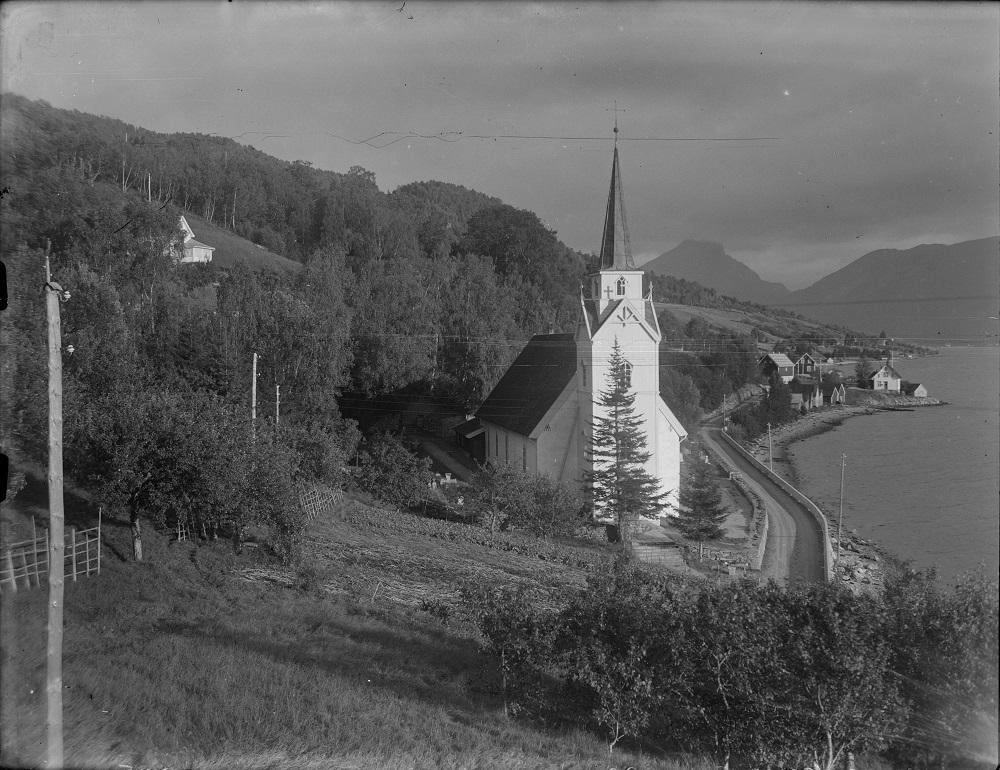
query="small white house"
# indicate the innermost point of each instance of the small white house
(886, 378)
(193, 250)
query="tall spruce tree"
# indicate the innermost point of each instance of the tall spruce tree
(701, 510)
(620, 485)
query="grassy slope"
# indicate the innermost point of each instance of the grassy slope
(231, 248)
(200, 658)
(743, 321)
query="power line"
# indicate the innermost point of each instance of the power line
(384, 139)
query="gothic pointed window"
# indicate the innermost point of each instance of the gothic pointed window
(621, 286)
(626, 375)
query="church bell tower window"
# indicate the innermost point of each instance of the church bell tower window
(621, 286)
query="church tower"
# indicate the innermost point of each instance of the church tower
(540, 415)
(614, 310)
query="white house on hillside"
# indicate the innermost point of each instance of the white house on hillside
(193, 250)
(539, 417)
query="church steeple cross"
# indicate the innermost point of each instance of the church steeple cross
(616, 110)
(616, 251)
(608, 291)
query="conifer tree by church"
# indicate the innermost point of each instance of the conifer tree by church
(540, 416)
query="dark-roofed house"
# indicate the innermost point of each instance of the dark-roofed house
(539, 417)
(914, 389)
(776, 363)
(805, 365)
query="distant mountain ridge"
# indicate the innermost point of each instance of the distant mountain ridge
(948, 291)
(707, 263)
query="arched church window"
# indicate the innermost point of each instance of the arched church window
(626, 375)
(621, 286)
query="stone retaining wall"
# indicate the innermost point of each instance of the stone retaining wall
(804, 501)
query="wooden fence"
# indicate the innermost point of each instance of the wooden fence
(25, 565)
(314, 500)
(317, 499)
(182, 531)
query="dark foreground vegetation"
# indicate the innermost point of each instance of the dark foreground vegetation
(399, 641)
(759, 676)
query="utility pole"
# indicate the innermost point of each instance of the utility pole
(253, 397)
(277, 404)
(53, 679)
(770, 453)
(840, 519)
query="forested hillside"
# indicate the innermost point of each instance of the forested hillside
(429, 289)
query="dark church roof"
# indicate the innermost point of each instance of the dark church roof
(532, 383)
(616, 251)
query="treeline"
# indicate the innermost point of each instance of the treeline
(700, 366)
(757, 676)
(774, 409)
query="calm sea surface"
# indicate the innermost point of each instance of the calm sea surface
(924, 484)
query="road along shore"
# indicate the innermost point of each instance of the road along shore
(862, 563)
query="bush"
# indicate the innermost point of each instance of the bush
(757, 675)
(503, 497)
(392, 473)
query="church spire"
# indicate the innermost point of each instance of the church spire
(616, 251)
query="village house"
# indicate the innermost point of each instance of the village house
(540, 415)
(886, 378)
(914, 389)
(776, 363)
(805, 365)
(190, 249)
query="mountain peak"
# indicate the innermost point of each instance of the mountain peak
(707, 263)
(931, 291)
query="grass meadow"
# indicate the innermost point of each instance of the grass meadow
(362, 656)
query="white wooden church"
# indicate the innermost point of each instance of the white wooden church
(539, 416)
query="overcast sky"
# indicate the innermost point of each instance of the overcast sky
(800, 136)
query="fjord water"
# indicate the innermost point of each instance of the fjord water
(924, 484)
